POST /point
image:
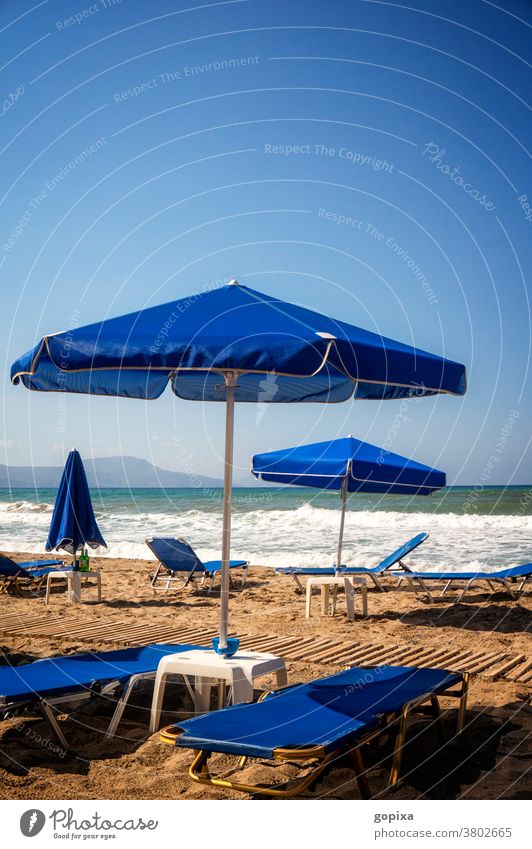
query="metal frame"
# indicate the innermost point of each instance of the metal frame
(368, 574)
(199, 769)
(46, 705)
(12, 582)
(416, 581)
(191, 575)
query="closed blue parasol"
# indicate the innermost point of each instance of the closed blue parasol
(348, 465)
(219, 346)
(73, 522)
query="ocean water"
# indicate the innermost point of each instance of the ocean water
(290, 526)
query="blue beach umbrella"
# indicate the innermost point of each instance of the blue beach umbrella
(73, 522)
(348, 465)
(233, 344)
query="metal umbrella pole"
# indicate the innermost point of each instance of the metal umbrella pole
(345, 485)
(230, 386)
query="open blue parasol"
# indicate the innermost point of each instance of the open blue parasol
(233, 344)
(348, 465)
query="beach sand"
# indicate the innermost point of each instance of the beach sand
(489, 760)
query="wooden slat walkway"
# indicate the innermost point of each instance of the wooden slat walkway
(492, 664)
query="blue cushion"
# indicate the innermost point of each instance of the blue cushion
(391, 560)
(55, 676)
(213, 566)
(326, 712)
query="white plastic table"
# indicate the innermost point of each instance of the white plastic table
(73, 580)
(349, 583)
(202, 668)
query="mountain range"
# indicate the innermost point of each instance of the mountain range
(103, 473)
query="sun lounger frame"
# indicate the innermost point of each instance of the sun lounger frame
(199, 769)
(354, 571)
(45, 704)
(23, 577)
(419, 584)
(186, 577)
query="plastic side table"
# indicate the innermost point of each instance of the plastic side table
(202, 668)
(73, 580)
(348, 583)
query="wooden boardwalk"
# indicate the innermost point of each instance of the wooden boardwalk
(492, 664)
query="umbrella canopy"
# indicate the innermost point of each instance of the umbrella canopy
(191, 341)
(348, 465)
(218, 346)
(73, 522)
(363, 468)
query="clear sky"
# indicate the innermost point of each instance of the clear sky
(366, 159)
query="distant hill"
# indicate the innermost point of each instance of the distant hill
(104, 472)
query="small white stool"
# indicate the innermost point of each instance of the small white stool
(348, 583)
(73, 580)
(201, 668)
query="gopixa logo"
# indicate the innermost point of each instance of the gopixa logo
(32, 822)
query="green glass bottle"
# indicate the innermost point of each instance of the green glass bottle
(84, 561)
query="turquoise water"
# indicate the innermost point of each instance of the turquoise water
(483, 526)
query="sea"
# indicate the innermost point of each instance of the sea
(469, 527)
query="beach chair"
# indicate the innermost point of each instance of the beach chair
(31, 574)
(181, 564)
(320, 721)
(45, 684)
(396, 558)
(503, 577)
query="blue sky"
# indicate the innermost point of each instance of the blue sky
(366, 159)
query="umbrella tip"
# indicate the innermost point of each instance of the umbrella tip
(325, 335)
(233, 282)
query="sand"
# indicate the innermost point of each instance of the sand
(490, 760)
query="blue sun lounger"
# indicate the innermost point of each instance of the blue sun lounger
(373, 572)
(53, 681)
(505, 577)
(320, 721)
(31, 573)
(182, 564)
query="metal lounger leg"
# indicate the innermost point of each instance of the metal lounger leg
(508, 588)
(399, 746)
(464, 591)
(426, 590)
(300, 587)
(377, 582)
(360, 772)
(49, 715)
(462, 707)
(436, 710)
(122, 702)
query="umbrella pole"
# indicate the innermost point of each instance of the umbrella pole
(345, 483)
(342, 523)
(230, 385)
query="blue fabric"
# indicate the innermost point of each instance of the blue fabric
(325, 465)
(234, 327)
(389, 561)
(214, 566)
(392, 559)
(32, 569)
(177, 555)
(56, 676)
(9, 568)
(328, 712)
(73, 522)
(498, 575)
